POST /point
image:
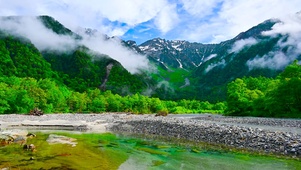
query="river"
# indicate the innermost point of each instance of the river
(110, 151)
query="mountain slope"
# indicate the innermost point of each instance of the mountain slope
(20, 58)
(79, 67)
(264, 55)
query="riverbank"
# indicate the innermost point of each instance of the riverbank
(258, 134)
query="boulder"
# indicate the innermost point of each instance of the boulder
(30, 147)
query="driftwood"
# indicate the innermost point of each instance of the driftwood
(162, 113)
(36, 112)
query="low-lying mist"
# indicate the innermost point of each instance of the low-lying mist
(45, 39)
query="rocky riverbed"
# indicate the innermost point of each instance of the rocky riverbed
(259, 134)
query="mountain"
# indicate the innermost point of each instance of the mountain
(235, 60)
(187, 55)
(180, 69)
(205, 69)
(201, 71)
(176, 53)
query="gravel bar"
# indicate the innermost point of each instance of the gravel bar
(242, 133)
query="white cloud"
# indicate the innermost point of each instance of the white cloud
(274, 60)
(37, 33)
(205, 32)
(232, 18)
(242, 15)
(290, 27)
(240, 44)
(130, 60)
(131, 12)
(200, 8)
(167, 18)
(45, 39)
(221, 63)
(210, 57)
(95, 13)
(207, 21)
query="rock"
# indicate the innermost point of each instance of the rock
(26, 147)
(5, 140)
(6, 168)
(14, 135)
(30, 147)
(58, 139)
(20, 140)
(31, 135)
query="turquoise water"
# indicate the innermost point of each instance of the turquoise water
(110, 151)
(185, 158)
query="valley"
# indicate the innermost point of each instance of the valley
(170, 71)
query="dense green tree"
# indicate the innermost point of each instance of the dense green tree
(55, 96)
(77, 102)
(260, 96)
(284, 100)
(98, 102)
(156, 106)
(7, 66)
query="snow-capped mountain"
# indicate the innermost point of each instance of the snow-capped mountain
(177, 53)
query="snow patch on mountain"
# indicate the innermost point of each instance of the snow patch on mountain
(181, 66)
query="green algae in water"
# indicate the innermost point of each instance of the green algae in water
(109, 151)
(85, 155)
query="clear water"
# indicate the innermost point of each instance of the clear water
(109, 151)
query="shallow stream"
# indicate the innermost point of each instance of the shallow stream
(110, 151)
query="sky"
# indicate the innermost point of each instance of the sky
(204, 21)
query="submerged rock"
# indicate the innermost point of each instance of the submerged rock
(14, 135)
(20, 139)
(59, 139)
(30, 147)
(31, 135)
(5, 140)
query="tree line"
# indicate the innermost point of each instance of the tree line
(21, 95)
